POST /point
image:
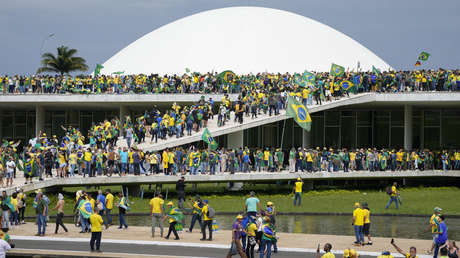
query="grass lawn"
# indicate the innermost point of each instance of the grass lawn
(415, 200)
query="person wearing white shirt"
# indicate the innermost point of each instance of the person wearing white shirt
(4, 246)
(10, 165)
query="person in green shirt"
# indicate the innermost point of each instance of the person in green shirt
(41, 212)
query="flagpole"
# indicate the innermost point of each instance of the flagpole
(282, 134)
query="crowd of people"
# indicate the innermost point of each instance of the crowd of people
(254, 227)
(76, 159)
(213, 82)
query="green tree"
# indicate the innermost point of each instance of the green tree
(64, 63)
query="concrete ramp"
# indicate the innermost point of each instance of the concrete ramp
(232, 127)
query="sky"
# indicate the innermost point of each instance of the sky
(395, 30)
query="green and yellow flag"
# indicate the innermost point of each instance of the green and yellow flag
(346, 85)
(98, 68)
(227, 76)
(375, 71)
(118, 73)
(207, 138)
(337, 70)
(309, 77)
(423, 56)
(299, 113)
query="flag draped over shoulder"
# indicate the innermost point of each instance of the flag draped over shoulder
(423, 56)
(299, 112)
(337, 70)
(98, 68)
(207, 138)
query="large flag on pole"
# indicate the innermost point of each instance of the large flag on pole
(97, 71)
(207, 138)
(299, 112)
(337, 70)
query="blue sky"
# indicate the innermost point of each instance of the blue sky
(396, 30)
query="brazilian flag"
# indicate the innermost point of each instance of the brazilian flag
(86, 209)
(227, 76)
(375, 70)
(309, 77)
(299, 112)
(207, 138)
(346, 85)
(337, 70)
(423, 56)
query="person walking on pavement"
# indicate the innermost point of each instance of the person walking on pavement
(180, 189)
(237, 230)
(96, 231)
(207, 220)
(40, 210)
(60, 213)
(157, 213)
(197, 207)
(108, 206)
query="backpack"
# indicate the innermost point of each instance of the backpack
(389, 192)
(211, 213)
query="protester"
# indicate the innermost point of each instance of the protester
(96, 231)
(40, 211)
(442, 236)
(237, 229)
(268, 238)
(157, 213)
(350, 253)
(393, 196)
(123, 207)
(60, 213)
(412, 251)
(367, 222)
(197, 207)
(171, 215)
(327, 249)
(358, 224)
(180, 188)
(252, 204)
(109, 206)
(250, 231)
(434, 226)
(297, 189)
(207, 220)
(453, 249)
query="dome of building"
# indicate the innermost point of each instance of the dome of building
(244, 40)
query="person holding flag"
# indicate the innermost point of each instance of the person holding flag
(175, 216)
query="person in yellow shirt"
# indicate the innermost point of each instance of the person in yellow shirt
(350, 253)
(434, 225)
(96, 231)
(14, 211)
(393, 196)
(87, 157)
(207, 221)
(108, 205)
(367, 223)
(297, 189)
(197, 206)
(165, 160)
(358, 223)
(172, 221)
(327, 249)
(250, 231)
(157, 212)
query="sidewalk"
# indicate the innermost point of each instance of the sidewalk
(221, 239)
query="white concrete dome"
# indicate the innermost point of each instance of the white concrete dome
(244, 40)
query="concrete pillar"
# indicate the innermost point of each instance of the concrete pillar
(408, 127)
(235, 140)
(39, 119)
(306, 139)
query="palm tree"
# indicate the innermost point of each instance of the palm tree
(64, 63)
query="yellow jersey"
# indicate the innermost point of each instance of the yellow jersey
(96, 222)
(156, 204)
(109, 201)
(358, 215)
(298, 187)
